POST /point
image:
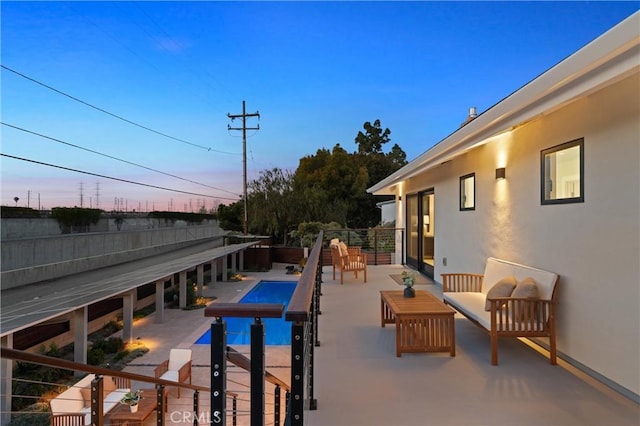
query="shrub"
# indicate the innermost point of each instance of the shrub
(112, 327)
(95, 356)
(9, 212)
(191, 292)
(36, 415)
(113, 345)
(170, 295)
(75, 217)
(120, 355)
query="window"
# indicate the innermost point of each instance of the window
(468, 192)
(562, 173)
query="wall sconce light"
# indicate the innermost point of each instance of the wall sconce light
(501, 173)
(399, 197)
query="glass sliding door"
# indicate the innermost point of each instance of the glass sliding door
(427, 234)
(420, 222)
(413, 228)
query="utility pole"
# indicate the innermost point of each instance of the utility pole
(244, 129)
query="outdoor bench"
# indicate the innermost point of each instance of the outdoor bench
(472, 296)
(73, 406)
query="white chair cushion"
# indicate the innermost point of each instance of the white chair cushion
(178, 358)
(171, 375)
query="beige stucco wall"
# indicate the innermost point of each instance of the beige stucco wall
(594, 246)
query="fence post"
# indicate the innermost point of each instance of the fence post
(257, 373)
(375, 245)
(196, 408)
(218, 372)
(297, 373)
(276, 406)
(161, 407)
(311, 343)
(97, 396)
(316, 303)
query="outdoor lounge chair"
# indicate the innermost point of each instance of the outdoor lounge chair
(177, 368)
(348, 259)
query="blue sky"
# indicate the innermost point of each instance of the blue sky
(316, 71)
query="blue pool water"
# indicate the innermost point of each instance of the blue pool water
(277, 330)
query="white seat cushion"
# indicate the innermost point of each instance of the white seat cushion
(171, 375)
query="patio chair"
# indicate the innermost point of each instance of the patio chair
(75, 419)
(348, 259)
(335, 254)
(177, 368)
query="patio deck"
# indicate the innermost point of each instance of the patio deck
(360, 381)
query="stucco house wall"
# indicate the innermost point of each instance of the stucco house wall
(594, 246)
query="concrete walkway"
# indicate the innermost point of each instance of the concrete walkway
(181, 329)
(360, 381)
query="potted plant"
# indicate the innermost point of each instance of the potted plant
(132, 399)
(409, 280)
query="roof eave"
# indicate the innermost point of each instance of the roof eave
(606, 59)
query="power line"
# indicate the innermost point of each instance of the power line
(113, 178)
(112, 114)
(119, 41)
(112, 157)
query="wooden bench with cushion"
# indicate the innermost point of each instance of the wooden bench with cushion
(347, 259)
(507, 300)
(73, 406)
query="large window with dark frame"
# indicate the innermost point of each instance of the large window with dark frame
(562, 173)
(468, 192)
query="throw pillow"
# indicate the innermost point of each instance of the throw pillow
(527, 288)
(343, 249)
(502, 288)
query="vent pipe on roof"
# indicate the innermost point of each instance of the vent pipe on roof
(472, 114)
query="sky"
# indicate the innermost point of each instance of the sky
(124, 105)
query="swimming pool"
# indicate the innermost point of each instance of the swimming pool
(277, 330)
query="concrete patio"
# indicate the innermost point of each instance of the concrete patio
(360, 381)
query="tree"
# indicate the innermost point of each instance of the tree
(379, 165)
(329, 181)
(371, 142)
(231, 216)
(272, 204)
(329, 186)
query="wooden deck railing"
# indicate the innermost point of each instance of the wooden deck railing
(232, 356)
(379, 243)
(302, 312)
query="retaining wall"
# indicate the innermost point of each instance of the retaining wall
(31, 260)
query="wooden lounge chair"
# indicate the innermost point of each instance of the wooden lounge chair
(177, 368)
(348, 259)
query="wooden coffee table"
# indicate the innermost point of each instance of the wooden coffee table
(121, 414)
(423, 323)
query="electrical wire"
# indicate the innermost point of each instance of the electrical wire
(114, 178)
(133, 52)
(112, 157)
(112, 114)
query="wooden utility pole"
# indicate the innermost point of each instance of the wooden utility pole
(244, 129)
